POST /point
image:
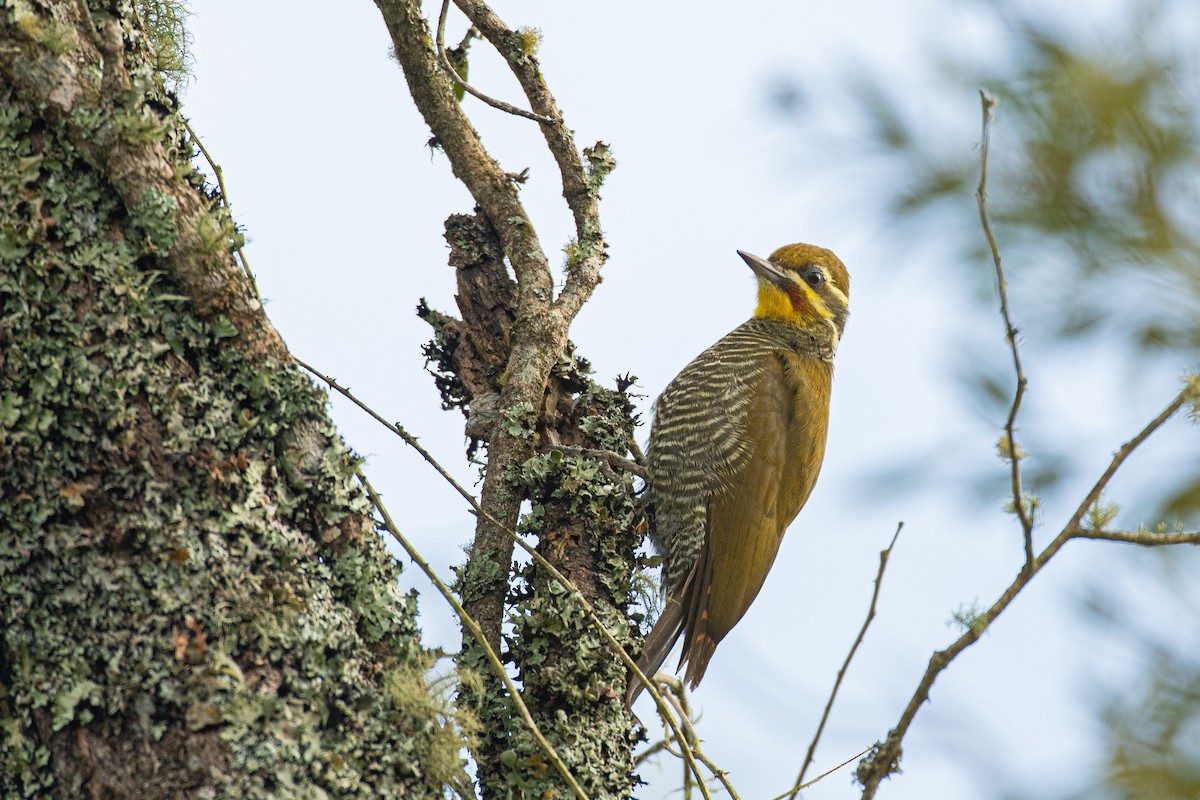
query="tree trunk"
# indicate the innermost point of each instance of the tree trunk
(584, 515)
(194, 599)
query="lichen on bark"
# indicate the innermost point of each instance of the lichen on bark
(585, 517)
(194, 600)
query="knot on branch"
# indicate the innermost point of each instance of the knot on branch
(881, 762)
(468, 356)
(487, 294)
(483, 416)
(472, 241)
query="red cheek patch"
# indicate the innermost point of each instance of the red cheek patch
(796, 295)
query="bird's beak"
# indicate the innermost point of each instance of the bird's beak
(767, 271)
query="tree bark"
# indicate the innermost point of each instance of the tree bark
(537, 398)
(194, 600)
(585, 518)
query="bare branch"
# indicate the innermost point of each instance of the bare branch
(885, 756)
(539, 333)
(887, 753)
(539, 329)
(1119, 458)
(1020, 506)
(432, 91)
(468, 88)
(1144, 538)
(812, 748)
(581, 184)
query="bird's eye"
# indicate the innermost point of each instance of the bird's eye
(814, 277)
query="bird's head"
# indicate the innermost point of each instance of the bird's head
(802, 284)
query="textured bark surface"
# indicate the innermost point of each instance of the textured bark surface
(193, 596)
(526, 393)
(585, 519)
(194, 601)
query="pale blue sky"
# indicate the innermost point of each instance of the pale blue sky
(325, 161)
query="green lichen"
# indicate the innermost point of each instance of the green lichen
(1191, 384)
(1100, 514)
(41, 27)
(883, 757)
(600, 164)
(573, 254)
(187, 563)
(584, 515)
(519, 420)
(969, 617)
(152, 223)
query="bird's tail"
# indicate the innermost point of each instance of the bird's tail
(657, 647)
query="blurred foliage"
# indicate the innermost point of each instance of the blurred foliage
(1094, 189)
(1151, 722)
(1154, 747)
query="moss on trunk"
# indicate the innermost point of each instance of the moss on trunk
(194, 600)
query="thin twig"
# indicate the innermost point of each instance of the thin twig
(684, 712)
(1119, 458)
(408, 438)
(889, 750)
(237, 248)
(1020, 506)
(477, 632)
(468, 88)
(678, 698)
(822, 776)
(565, 582)
(1144, 538)
(581, 183)
(812, 748)
(650, 752)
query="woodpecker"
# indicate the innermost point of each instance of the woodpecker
(735, 449)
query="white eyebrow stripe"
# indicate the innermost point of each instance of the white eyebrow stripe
(840, 294)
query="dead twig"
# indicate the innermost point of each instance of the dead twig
(677, 695)
(508, 108)
(862, 632)
(216, 168)
(822, 776)
(885, 757)
(1010, 449)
